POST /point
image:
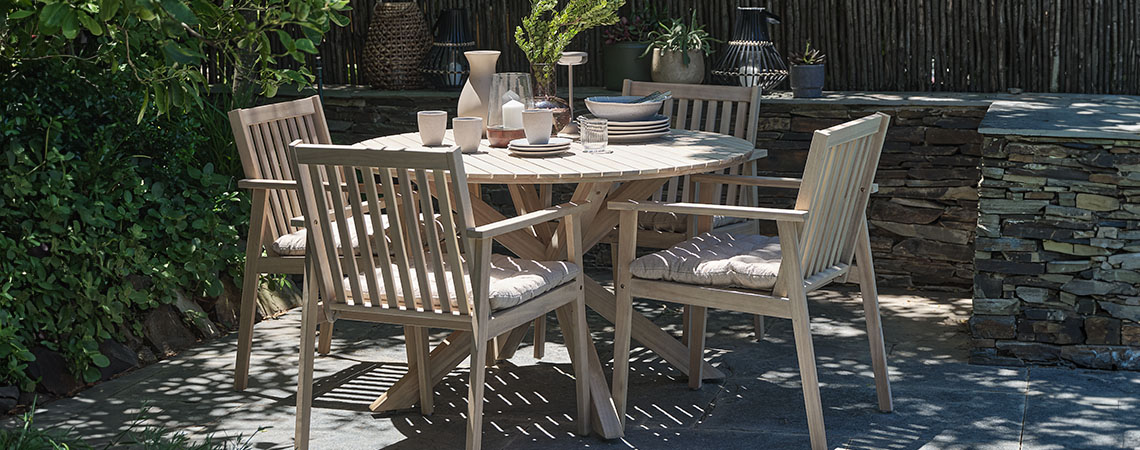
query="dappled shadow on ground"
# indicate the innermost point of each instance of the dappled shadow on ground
(940, 402)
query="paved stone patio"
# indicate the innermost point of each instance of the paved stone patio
(941, 402)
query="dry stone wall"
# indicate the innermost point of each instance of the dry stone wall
(1058, 252)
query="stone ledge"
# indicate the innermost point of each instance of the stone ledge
(1065, 116)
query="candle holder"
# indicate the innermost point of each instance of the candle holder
(511, 93)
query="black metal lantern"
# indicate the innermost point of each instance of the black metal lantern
(750, 59)
(445, 67)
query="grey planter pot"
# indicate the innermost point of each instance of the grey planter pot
(623, 60)
(807, 81)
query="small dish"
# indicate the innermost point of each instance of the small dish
(620, 108)
(555, 142)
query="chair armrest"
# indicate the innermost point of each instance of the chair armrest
(746, 180)
(701, 209)
(526, 220)
(254, 183)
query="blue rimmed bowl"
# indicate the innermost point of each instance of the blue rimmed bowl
(621, 108)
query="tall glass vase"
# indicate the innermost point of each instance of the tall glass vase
(546, 95)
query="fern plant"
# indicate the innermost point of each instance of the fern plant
(546, 32)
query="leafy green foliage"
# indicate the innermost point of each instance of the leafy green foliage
(100, 218)
(163, 43)
(677, 36)
(546, 32)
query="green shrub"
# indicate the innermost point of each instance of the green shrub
(101, 218)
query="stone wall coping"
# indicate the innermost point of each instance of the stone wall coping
(1065, 116)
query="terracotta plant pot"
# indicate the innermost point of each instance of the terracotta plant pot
(670, 67)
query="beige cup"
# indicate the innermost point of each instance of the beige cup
(468, 131)
(538, 123)
(432, 126)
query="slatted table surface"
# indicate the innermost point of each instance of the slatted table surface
(632, 171)
(683, 152)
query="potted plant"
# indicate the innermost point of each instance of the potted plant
(679, 51)
(623, 55)
(806, 73)
(545, 33)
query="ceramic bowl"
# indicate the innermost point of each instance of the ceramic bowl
(619, 108)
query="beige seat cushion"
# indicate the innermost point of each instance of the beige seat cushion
(293, 244)
(513, 280)
(715, 259)
(676, 223)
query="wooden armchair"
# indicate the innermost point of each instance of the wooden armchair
(730, 110)
(817, 243)
(273, 245)
(421, 276)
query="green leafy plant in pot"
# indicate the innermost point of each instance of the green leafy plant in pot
(546, 32)
(806, 73)
(623, 55)
(679, 51)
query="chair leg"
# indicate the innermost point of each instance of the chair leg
(686, 322)
(475, 393)
(540, 337)
(622, 331)
(305, 376)
(758, 325)
(874, 320)
(324, 342)
(245, 325)
(581, 362)
(698, 314)
(805, 352)
(416, 344)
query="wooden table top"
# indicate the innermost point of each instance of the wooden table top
(683, 152)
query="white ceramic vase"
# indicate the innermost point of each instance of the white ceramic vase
(473, 99)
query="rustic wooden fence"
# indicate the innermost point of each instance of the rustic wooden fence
(1090, 46)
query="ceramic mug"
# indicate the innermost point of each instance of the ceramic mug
(538, 123)
(468, 131)
(432, 126)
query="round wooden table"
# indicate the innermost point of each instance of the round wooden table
(640, 168)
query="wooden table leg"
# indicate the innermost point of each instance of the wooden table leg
(443, 359)
(604, 418)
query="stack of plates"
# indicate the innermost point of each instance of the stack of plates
(520, 147)
(653, 127)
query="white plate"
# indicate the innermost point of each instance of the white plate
(555, 142)
(639, 131)
(538, 150)
(534, 154)
(655, 120)
(636, 137)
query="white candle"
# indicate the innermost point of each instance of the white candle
(512, 114)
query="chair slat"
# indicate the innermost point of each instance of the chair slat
(710, 116)
(276, 219)
(381, 238)
(332, 261)
(414, 242)
(366, 262)
(335, 176)
(451, 241)
(740, 130)
(433, 242)
(396, 231)
(695, 119)
(680, 120)
(725, 118)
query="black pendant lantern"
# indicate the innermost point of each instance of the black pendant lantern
(750, 59)
(445, 67)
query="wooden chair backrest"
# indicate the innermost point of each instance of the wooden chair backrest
(730, 110)
(836, 186)
(409, 177)
(262, 135)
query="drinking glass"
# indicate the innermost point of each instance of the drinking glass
(594, 133)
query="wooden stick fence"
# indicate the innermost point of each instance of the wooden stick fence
(1089, 46)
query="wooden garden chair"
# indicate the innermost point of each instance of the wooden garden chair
(273, 245)
(421, 275)
(817, 243)
(730, 110)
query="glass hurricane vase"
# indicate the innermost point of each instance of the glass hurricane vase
(546, 95)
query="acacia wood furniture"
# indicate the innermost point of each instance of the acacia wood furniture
(641, 169)
(729, 110)
(818, 240)
(428, 277)
(262, 135)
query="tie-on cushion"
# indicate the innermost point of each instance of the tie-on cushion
(293, 244)
(715, 259)
(513, 280)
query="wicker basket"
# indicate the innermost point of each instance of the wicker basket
(398, 40)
